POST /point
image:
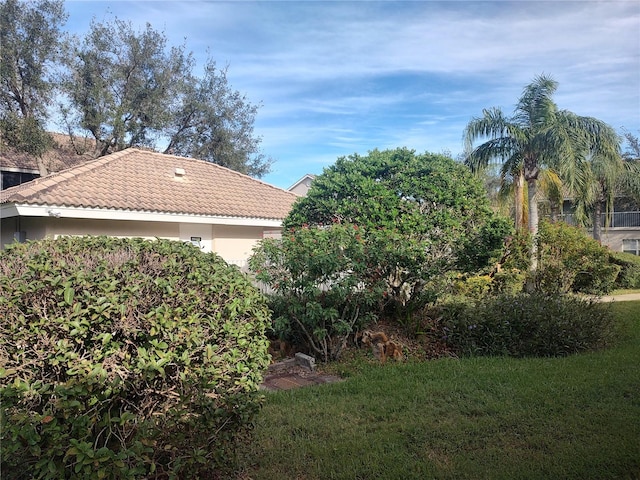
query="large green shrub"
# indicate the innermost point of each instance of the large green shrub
(424, 216)
(570, 261)
(125, 358)
(629, 276)
(526, 325)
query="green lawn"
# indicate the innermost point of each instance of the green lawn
(482, 418)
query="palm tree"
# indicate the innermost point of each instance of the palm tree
(539, 136)
(501, 146)
(601, 179)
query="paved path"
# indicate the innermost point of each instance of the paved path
(621, 298)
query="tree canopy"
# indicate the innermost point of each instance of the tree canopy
(538, 136)
(121, 88)
(428, 198)
(31, 40)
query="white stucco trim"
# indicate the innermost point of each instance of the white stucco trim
(23, 210)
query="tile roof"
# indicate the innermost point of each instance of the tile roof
(63, 155)
(141, 180)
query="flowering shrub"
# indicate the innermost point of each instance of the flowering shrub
(526, 325)
(125, 358)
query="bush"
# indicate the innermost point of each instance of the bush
(629, 276)
(526, 325)
(484, 247)
(425, 216)
(508, 281)
(124, 358)
(319, 277)
(474, 286)
(570, 261)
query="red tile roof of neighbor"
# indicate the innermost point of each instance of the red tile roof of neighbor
(141, 180)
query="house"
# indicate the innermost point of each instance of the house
(18, 167)
(302, 186)
(620, 226)
(140, 193)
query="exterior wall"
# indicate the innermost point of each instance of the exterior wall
(233, 243)
(114, 228)
(8, 226)
(200, 235)
(613, 237)
(40, 227)
(302, 186)
(300, 189)
(34, 229)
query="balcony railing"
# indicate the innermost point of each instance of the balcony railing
(615, 219)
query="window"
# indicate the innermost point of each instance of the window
(11, 179)
(631, 245)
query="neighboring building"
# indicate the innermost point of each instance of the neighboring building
(18, 167)
(620, 227)
(302, 186)
(140, 193)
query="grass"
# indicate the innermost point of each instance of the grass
(476, 418)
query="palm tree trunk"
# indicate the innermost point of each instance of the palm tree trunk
(519, 202)
(597, 221)
(533, 221)
(533, 206)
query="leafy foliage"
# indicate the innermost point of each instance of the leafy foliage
(395, 189)
(322, 284)
(120, 83)
(128, 88)
(629, 276)
(526, 325)
(30, 36)
(125, 358)
(26, 135)
(30, 39)
(570, 261)
(539, 136)
(212, 122)
(121, 87)
(483, 246)
(421, 216)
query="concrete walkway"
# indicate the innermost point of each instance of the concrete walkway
(621, 298)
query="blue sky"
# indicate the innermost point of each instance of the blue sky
(342, 77)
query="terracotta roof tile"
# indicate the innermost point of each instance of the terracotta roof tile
(143, 180)
(61, 156)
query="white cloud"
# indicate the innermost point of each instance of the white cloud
(339, 77)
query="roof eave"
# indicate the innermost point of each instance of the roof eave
(8, 210)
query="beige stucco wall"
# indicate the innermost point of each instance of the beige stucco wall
(34, 229)
(233, 243)
(7, 228)
(613, 237)
(114, 228)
